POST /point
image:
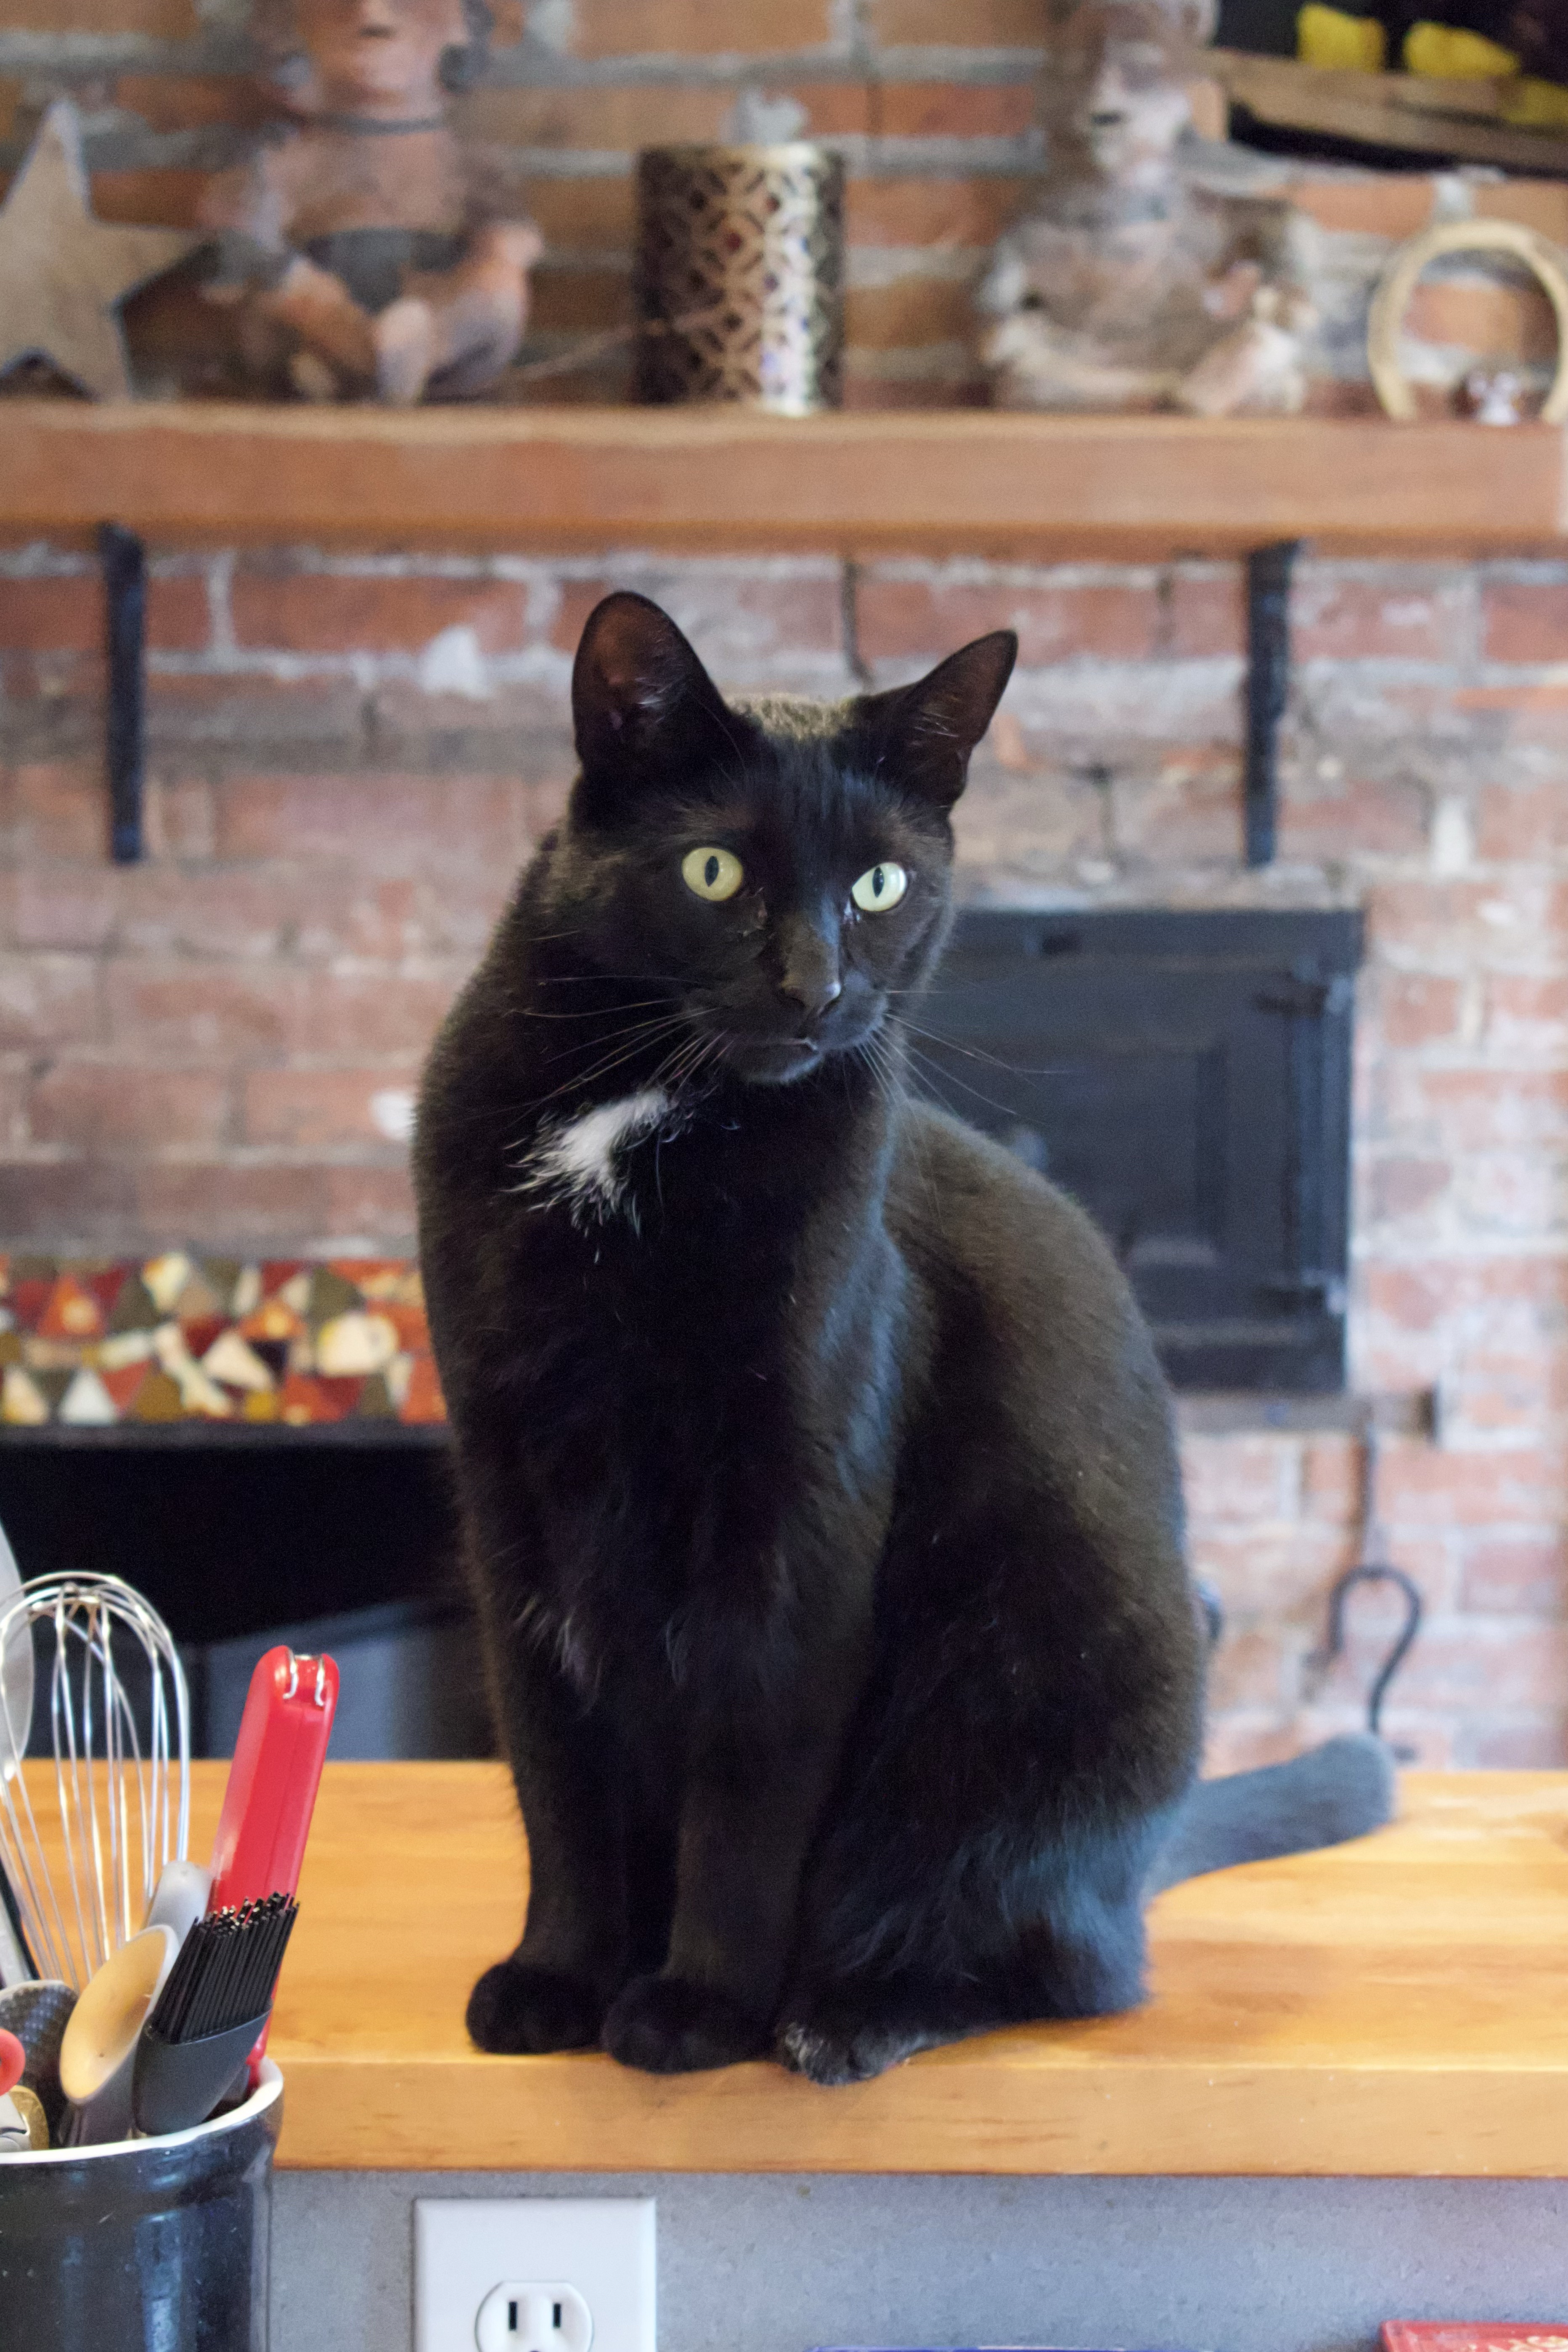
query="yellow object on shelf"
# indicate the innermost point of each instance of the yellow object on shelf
(1345, 44)
(1444, 53)
(1530, 104)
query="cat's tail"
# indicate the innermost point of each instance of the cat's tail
(1339, 1790)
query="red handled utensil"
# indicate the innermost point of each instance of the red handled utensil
(272, 1781)
(13, 2060)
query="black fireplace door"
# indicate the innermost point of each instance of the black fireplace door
(1186, 1077)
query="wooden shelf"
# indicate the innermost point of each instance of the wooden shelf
(706, 478)
(1394, 2007)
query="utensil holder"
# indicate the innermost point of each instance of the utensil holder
(151, 2245)
(740, 276)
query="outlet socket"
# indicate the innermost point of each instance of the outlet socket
(491, 2271)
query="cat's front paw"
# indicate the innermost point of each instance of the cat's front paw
(515, 2007)
(848, 2041)
(666, 2026)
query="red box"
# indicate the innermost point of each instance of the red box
(1474, 2335)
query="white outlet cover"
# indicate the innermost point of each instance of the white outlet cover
(603, 2246)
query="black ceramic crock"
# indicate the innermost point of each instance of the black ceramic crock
(154, 2245)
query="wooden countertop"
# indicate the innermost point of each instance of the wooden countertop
(1396, 2007)
(716, 478)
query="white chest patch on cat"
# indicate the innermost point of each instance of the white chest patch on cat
(576, 1167)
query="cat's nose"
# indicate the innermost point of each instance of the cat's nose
(810, 977)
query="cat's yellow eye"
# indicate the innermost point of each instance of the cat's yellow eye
(713, 873)
(879, 888)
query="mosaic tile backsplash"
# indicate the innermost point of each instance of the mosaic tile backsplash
(88, 1343)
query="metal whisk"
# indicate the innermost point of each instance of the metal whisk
(82, 1869)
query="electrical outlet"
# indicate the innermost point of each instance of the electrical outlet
(534, 2315)
(533, 2275)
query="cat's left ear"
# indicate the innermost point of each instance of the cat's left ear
(642, 703)
(922, 735)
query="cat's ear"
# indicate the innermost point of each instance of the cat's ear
(922, 735)
(642, 703)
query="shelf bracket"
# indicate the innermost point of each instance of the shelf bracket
(1269, 570)
(124, 563)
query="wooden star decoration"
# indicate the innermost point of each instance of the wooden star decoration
(63, 273)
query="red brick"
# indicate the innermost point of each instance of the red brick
(219, 1012)
(926, 213)
(911, 312)
(1484, 1664)
(157, 20)
(1191, 812)
(1241, 1476)
(958, 24)
(176, 101)
(1338, 815)
(63, 612)
(1526, 1012)
(1028, 820)
(1476, 923)
(377, 1202)
(378, 1012)
(15, 1082)
(1342, 616)
(63, 1204)
(601, 28)
(194, 709)
(215, 1203)
(589, 215)
(1414, 1009)
(1525, 620)
(1440, 1486)
(325, 613)
(900, 619)
(1248, 1670)
(1205, 613)
(1476, 1108)
(954, 109)
(323, 1107)
(1537, 707)
(55, 809)
(179, 817)
(48, 999)
(1332, 1477)
(1402, 1185)
(52, 613)
(732, 617)
(374, 821)
(58, 907)
(1515, 1193)
(96, 1107)
(151, 195)
(1267, 1570)
(1526, 822)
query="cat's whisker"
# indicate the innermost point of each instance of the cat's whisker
(938, 1076)
(975, 1054)
(648, 1028)
(599, 1013)
(615, 1061)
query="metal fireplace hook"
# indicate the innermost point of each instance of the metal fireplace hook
(1372, 1568)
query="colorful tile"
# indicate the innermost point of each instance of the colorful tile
(356, 1341)
(71, 1311)
(86, 1343)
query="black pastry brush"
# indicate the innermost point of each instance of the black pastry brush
(204, 2023)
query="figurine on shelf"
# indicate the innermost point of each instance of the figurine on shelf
(1123, 286)
(368, 251)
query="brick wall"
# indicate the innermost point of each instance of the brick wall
(351, 756)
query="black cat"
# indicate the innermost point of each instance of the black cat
(821, 1499)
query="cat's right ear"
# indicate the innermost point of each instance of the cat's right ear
(642, 704)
